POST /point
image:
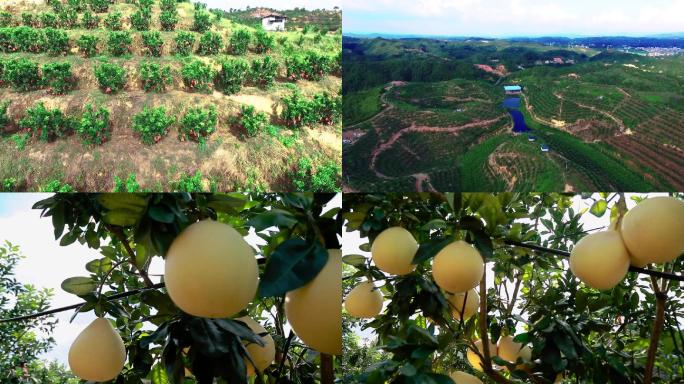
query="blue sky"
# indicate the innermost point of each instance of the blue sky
(502, 18)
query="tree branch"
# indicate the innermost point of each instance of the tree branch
(658, 321)
(118, 232)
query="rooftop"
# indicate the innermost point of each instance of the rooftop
(512, 88)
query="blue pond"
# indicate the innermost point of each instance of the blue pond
(518, 121)
(512, 102)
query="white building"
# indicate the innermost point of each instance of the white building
(273, 22)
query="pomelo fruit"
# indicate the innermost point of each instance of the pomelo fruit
(458, 267)
(653, 231)
(472, 304)
(364, 301)
(509, 350)
(460, 377)
(474, 359)
(261, 356)
(600, 260)
(314, 310)
(393, 251)
(211, 271)
(98, 352)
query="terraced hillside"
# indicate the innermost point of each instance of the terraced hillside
(158, 95)
(602, 121)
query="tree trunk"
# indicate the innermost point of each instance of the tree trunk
(327, 371)
(661, 297)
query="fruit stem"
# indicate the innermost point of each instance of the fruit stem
(327, 373)
(285, 351)
(658, 321)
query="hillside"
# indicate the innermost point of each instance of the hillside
(243, 109)
(298, 18)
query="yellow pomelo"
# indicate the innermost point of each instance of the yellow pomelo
(364, 301)
(509, 350)
(98, 353)
(472, 303)
(314, 310)
(460, 377)
(211, 271)
(653, 230)
(261, 356)
(474, 359)
(393, 251)
(600, 260)
(458, 267)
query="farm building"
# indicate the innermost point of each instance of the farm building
(531, 138)
(545, 148)
(273, 22)
(513, 89)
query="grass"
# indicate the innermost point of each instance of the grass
(360, 106)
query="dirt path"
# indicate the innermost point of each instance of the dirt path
(503, 170)
(608, 114)
(536, 118)
(383, 99)
(420, 179)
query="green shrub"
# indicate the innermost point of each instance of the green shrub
(4, 119)
(87, 44)
(113, 21)
(58, 77)
(310, 65)
(153, 42)
(90, 20)
(324, 179)
(99, 6)
(168, 20)
(94, 126)
(184, 43)
(141, 19)
(48, 20)
(210, 43)
(322, 109)
(25, 39)
(188, 183)
(77, 5)
(253, 122)
(297, 110)
(168, 5)
(145, 4)
(111, 77)
(326, 109)
(202, 21)
(56, 186)
(68, 18)
(46, 125)
(57, 41)
(263, 41)
(22, 74)
(5, 19)
(8, 185)
(198, 76)
(155, 77)
(199, 6)
(264, 72)
(29, 19)
(239, 41)
(232, 76)
(198, 123)
(130, 185)
(20, 140)
(119, 43)
(152, 124)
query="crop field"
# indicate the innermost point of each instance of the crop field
(166, 96)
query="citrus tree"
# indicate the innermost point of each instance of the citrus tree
(224, 310)
(473, 288)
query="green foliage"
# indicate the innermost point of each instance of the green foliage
(202, 21)
(263, 41)
(188, 183)
(110, 77)
(198, 76)
(56, 186)
(198, 124)
(119, 42)
(8, 185)
(90, 20)
(57, 41)
(99, 6)
(48, 20)
(141, 19)
(184, 43)
(168, 20)
(210, 43)
(87, 44)
(46, 125)
(68, 18)
(322, 109)
(264, 72)
(94, 126)
(5, 19)
(253, 122)
(22, 39)
(22, 74)
(239, 41)
(153, 42)
(326, 108)
(325, 178)
(4, 119)
(152, 124)
(154, 77)
(20, 140)
(113, 21)
(130, 185)
(58, 77)
(232, 75)
(310, 65)
(168, 5)
(29, 19)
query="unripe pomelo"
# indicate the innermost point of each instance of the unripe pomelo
(474, 359)
(653, 231)
(261, 356)
(509, 350)
(458, 267)
(98, 353)
(460, 377)
(600, 260)
(314, 310)
(211, 271)
(472, 304)
(393, 251)
(364, 301)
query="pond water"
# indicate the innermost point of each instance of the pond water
(518, 121)
(511, 102)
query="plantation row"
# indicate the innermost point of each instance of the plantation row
(26, 75)
(153, 124)
(668, 164)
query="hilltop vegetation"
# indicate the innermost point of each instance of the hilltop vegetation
(317, 20)
(167, 95)
(611, 119)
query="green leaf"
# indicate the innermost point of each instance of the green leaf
(141, 256)
(79, 285)
(434, 224)
(208, 336)
(122, 217)
(161, 213)
(429, 249)
(99, 266)
(158, 375)
(483, 243)
(273, 218)
(354, 259)
(293, 264)
(599, 207)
